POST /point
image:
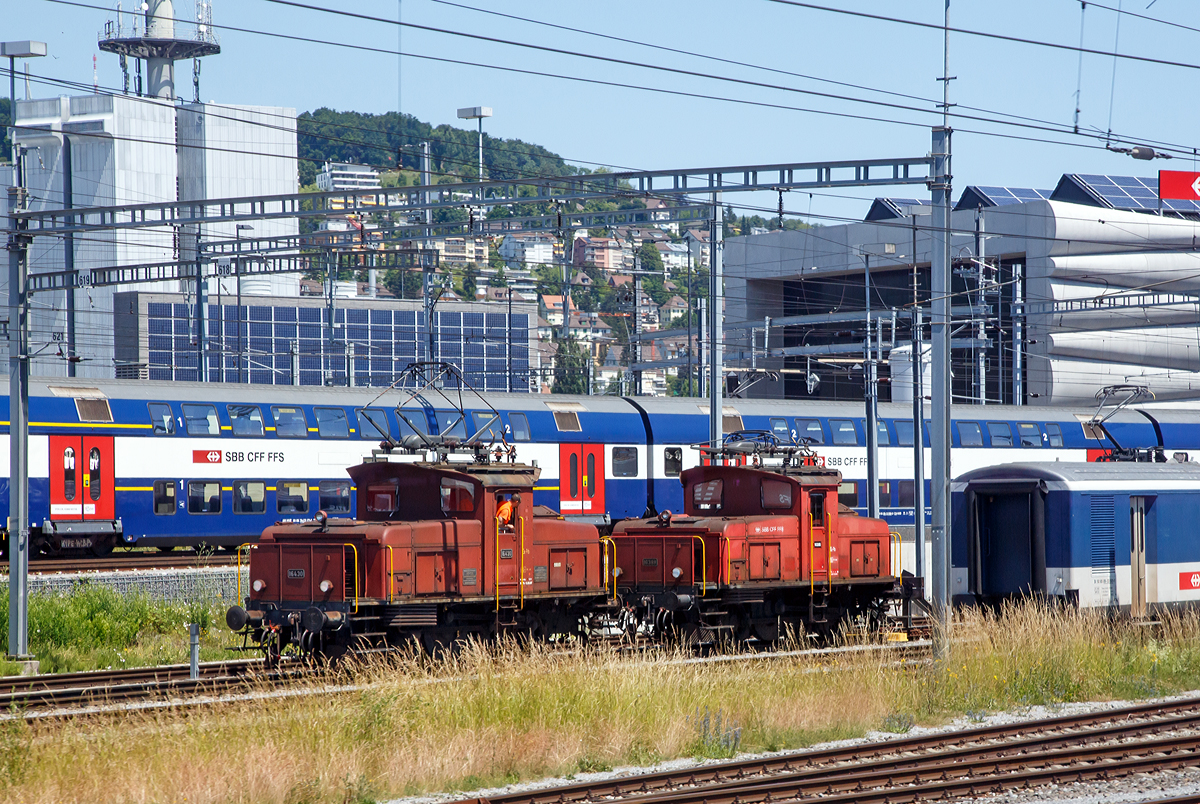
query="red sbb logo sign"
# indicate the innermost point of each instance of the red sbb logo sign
(1180, 185)
(206, 456)
(1189, 581)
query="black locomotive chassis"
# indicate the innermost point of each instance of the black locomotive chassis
(674, 614)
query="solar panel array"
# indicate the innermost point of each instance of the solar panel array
(384, 343)
(1002, 196)
(1131, 192)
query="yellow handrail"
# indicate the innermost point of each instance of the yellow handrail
(829, 548)
(355, 549)
(496, 577)
(897, 552)
(521, 573)
(391, 574)
(728, 561)
(703, 566)
(240, 547)
(604, 542)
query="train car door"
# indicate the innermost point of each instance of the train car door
(82, 477)
(818, 536)
(1137, 556)
(581, 478)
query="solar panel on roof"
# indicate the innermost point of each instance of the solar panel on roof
(1130, 193)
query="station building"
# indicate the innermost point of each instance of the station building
(1058, 293)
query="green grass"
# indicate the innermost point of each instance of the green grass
(93, 627)
(492, 716)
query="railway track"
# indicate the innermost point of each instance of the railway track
(64, 694)
(1100, 745)
(177, 559)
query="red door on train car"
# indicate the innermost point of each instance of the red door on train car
(82, 477)
(581, 478)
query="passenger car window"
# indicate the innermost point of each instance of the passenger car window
(1054, 434)
(372, 425)
(201, 420)
(334, 496)
(162, 421)
(1031, 436)
(885, 493)
(246, 420)
(776, 494)
(848, 494)
(672, 461)
(164, 497)
(332, 423)
(907, 493)
(249, 497)
(1001, 433)
(904, 432)
(707, 496)
(810, 429)
(970, 434)
(488, 426)
(844, 434)
(204, 497)
(625, 461)
(289, 422)
(519, 424)
(291, 497)
(883, 438)
(451, 423)
(779, 427)
(566, 420)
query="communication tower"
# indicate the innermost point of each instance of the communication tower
(149, 33)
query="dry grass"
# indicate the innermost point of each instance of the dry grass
(493, 716)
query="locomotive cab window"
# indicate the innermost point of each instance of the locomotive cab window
(458, 496)
(1031, 436)
(204, 497)
(707, 496)
(372, 425)
(162, 421)
(844, 434)
(1001, 433)
(970, 434)
(164, 497)
(809, 429)
(332, 423)
(201, 420)
(249, 497)
(383, 499)
(816, 508)
(625, 461)
(291, 497)
(519, 424)
(672, 461)
(334, 496)
(246, 420)
(776, 494)
(1053, 435)
(289, 422)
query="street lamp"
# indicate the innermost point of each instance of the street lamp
(477, 113)
(237, 267)
(14, 51)
(18, 377)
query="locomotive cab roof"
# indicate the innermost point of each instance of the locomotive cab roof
(418, 490)
(751, 491)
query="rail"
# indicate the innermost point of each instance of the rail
(703, 566)
(605, 541)
(355, 549)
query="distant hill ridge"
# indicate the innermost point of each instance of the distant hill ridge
(374, 139)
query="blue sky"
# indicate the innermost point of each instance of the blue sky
(629, 128)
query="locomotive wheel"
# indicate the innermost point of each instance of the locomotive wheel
(102, 548)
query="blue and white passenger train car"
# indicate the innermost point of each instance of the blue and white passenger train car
(1097, 535)
(167, 464)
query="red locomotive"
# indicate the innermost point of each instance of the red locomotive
(443, 550)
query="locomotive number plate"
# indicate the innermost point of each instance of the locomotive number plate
(649, 562)
(506, 553)
(295, 573)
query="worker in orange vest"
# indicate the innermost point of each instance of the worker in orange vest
(504, 512)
